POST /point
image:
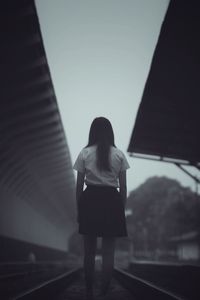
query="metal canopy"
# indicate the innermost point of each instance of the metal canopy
(35, 163)
(168, 120)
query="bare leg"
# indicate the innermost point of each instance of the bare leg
(108, 249)
(89, 263)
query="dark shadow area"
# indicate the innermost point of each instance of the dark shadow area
(167, 123)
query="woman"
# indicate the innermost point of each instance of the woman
(102, 166)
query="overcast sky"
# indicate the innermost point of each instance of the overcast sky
(99, 53)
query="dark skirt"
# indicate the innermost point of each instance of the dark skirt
(101, 212)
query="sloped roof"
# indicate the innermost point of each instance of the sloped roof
(35, 162)
(168, 123)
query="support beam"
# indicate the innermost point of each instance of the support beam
(160, 158)
(197, 180)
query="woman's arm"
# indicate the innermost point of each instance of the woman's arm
(122, 186)
(79, 187)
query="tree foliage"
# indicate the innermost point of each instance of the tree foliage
(161, 208)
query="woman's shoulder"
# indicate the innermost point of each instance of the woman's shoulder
(89, 148)
(117, 152)
(86, 150)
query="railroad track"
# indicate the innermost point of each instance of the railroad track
(142, 289)
(70, 286)
(48, 289)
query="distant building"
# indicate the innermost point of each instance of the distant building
(187, 246)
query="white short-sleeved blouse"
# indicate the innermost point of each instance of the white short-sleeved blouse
(86, 163)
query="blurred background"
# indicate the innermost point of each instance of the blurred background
(65, 63)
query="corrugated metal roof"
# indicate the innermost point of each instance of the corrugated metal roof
(34, 155)
(167, 123)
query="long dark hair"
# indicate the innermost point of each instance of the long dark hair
(101, 134)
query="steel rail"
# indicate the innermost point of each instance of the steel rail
(49, 288)
(143, 289)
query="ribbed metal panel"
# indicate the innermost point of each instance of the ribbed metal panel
(35, 162)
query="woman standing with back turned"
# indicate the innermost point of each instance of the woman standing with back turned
(102, 166)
